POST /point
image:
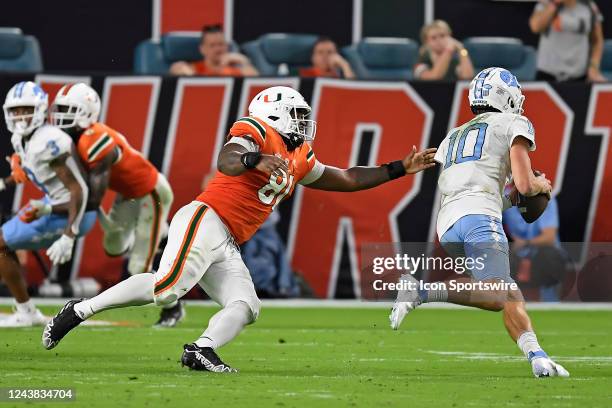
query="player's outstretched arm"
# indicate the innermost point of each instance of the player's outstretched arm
(70, 175)
(524, 179)
(235, 159)
(363, 178)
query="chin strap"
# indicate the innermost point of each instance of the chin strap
(292, 141)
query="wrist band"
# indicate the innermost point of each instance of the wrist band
(250, 159)
(395, 169)
(2, 185)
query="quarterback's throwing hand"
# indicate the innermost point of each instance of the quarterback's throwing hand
(418, 161)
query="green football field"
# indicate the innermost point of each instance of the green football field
(319, 357)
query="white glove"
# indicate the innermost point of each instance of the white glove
(61, 250)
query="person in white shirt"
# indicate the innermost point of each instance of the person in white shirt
(477, 159)
(46, 155)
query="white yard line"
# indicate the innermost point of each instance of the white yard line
(352, 304)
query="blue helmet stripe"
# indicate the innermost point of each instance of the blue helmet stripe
(19, 89)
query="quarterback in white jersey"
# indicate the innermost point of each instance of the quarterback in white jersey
(477, 160)
(45, 155)
(482, 147)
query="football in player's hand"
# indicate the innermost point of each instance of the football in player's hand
(532, 207)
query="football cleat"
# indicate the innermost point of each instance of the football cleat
(24, 319)
(543, 366)
(171, 316)
(204, 359)
(64, 321)
(406, 301)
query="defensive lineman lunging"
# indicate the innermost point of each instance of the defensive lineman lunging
(477, 159)
(259, 166)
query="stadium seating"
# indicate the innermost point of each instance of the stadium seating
(502, 52)
(270, 52)
(155, 57)
(384, 58)
(606, 60)
(19, 52)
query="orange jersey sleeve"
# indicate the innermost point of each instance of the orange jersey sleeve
(252, 127)
(95, 144)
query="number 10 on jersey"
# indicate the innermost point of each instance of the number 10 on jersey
(481, 128)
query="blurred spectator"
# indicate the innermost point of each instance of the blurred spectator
(327, 62)
(537, 258)
(571, 40)
(217, 60)
(441, 56)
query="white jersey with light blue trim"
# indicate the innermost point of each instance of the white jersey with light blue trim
(475, 165)
(45, 145)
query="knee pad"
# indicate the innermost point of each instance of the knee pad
(118, 243)
(166, 297)
(251, 306)
(136, 264)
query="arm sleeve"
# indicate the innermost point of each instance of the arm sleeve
(315, 168)
(245, 142)
(94, 148)
(521, 126)
(250, 127)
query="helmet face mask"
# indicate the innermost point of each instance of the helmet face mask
(20, 117)
(65, 116)
(25, 108)
(299, 125)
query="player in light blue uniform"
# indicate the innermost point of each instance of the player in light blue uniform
(477, 159)
(46, 154)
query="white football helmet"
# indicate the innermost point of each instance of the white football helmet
(285, 110)
(25, 94)
(496, 88)
(75, 105)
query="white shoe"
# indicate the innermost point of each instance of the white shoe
(406, 301)
(24, 319)
(543, 366)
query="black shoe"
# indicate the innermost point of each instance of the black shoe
(60, 325)
(204, 359)
(170, 317)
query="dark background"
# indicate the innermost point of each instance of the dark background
(100, 36)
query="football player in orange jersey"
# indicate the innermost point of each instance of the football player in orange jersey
(138, 216)
(263, 159)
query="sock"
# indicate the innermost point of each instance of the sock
(135, 291)
(225, 325)
(170, 305)
(528, 343)
(433, 295)
(25, 307)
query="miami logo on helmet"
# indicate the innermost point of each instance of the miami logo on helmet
(278, 98)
